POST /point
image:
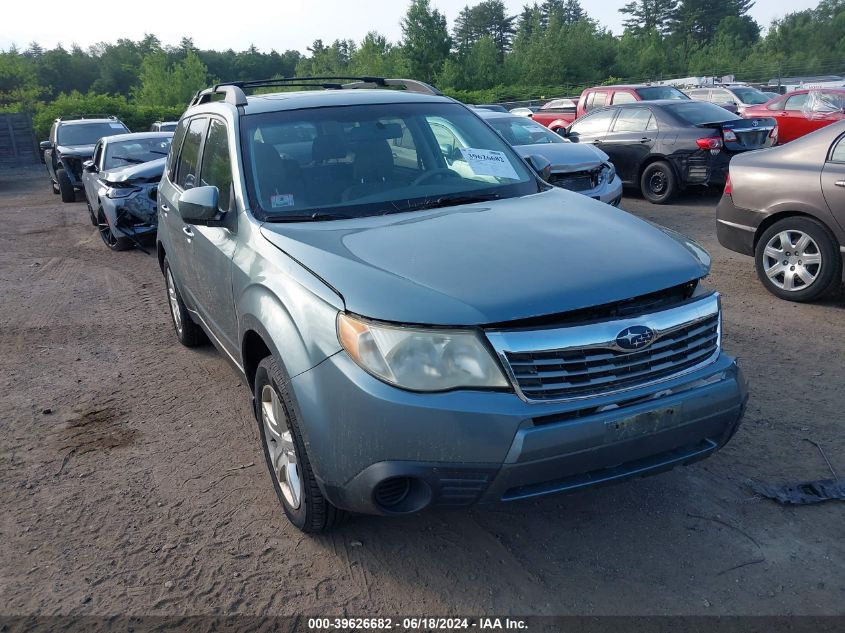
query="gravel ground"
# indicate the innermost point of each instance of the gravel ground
(133, 483)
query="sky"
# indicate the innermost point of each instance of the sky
(268, 24)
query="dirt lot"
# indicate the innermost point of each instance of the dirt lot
(123, 490)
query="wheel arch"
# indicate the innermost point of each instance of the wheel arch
(658, 158)
(769, 220)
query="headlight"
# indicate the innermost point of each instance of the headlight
(120, 192)
(608, 172)
(420, 359)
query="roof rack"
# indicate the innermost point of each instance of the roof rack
(77, 117)
(235, 95)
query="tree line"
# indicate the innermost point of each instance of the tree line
(550, 48)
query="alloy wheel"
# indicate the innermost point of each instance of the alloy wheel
(173, 298)
(280, 446)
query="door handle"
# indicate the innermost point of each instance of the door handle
(187, 231)
(597, 141)
(645, 139)
(840, 183)
(164, 207)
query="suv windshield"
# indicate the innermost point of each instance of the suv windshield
(361, 160)
(750, 96)
(87, 133)
(655, 93)
(701, 112)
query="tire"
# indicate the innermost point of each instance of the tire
(285, 453)
(109, 238)
(54, 187)
(65, 186)
(658, 183)
(189, 333)
(811, 269)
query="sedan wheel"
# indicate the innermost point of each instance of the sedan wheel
(109, 238)
(792, 260)
(658, 183)
(798, 259)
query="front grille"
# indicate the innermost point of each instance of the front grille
(595, 365)
(576, 180)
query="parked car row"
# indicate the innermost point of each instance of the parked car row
(117, 171)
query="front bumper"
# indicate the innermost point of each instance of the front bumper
(134, 217)
(608, 192)
(464, 447)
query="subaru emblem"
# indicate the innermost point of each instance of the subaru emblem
(634, 338)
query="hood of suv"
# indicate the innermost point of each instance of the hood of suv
(477, 264)
(76, 151)
(566, 157)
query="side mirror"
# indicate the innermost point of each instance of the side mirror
(45, 145)
(563, 131)
(89, 167)
(540, 164)
(199, 204)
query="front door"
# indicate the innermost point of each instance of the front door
(212, 247)
(630, 141)
(833, 182)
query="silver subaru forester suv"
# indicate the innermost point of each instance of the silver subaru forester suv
(425, 325)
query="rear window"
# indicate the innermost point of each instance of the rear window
(750, 96)
(88, 133)
(653, 93)
(700, 112)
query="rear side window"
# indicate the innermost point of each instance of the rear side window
(796, 102)
(633, 120)
(595, 100)
(623, 97)
(700, 112)
(594, 124)
(838, 153)
(216, 164)
(186, 169)
(175, 146)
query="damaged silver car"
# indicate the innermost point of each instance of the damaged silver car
(121, 186)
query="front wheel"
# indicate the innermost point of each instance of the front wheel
(658, 183)
(797, 259)
(65, 186)
(111, 240)
(286, 456)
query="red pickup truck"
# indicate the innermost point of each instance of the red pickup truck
(556, 114)
(601, 96)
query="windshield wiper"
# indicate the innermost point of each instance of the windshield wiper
(129, 159)
(317, 216)
(445, 201)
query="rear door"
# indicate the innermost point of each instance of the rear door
(630, 140)
(833, 181)
(792, 122)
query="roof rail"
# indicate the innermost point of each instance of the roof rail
(77, 117)
(235, 95)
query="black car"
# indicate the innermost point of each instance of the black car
(663, 146)
(71, 143)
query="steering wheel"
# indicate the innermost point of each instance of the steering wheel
(443, 172)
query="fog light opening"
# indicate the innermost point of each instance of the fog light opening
(399, 495)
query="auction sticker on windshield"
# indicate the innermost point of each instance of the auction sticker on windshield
(488, 162)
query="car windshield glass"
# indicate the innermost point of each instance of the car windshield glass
(120, 153)
(750, 96)
(87, 133)
(701, 112)
(521, 131)
(653, 93)
(351, 161)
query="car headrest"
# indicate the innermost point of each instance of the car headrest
(328, 147)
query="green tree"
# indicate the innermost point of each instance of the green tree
(166, 85)
(425, 40)
(646, 16)
(486, 19)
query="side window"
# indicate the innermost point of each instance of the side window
(595, 100)
(776, 105)
(186, 168)
(698, 95)
(796, 102)
(175, 146)
(632, 120)
(838, 153)
(623, 97)
(593, 125)
(98, 154)
(721, 96)
(216, 163)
